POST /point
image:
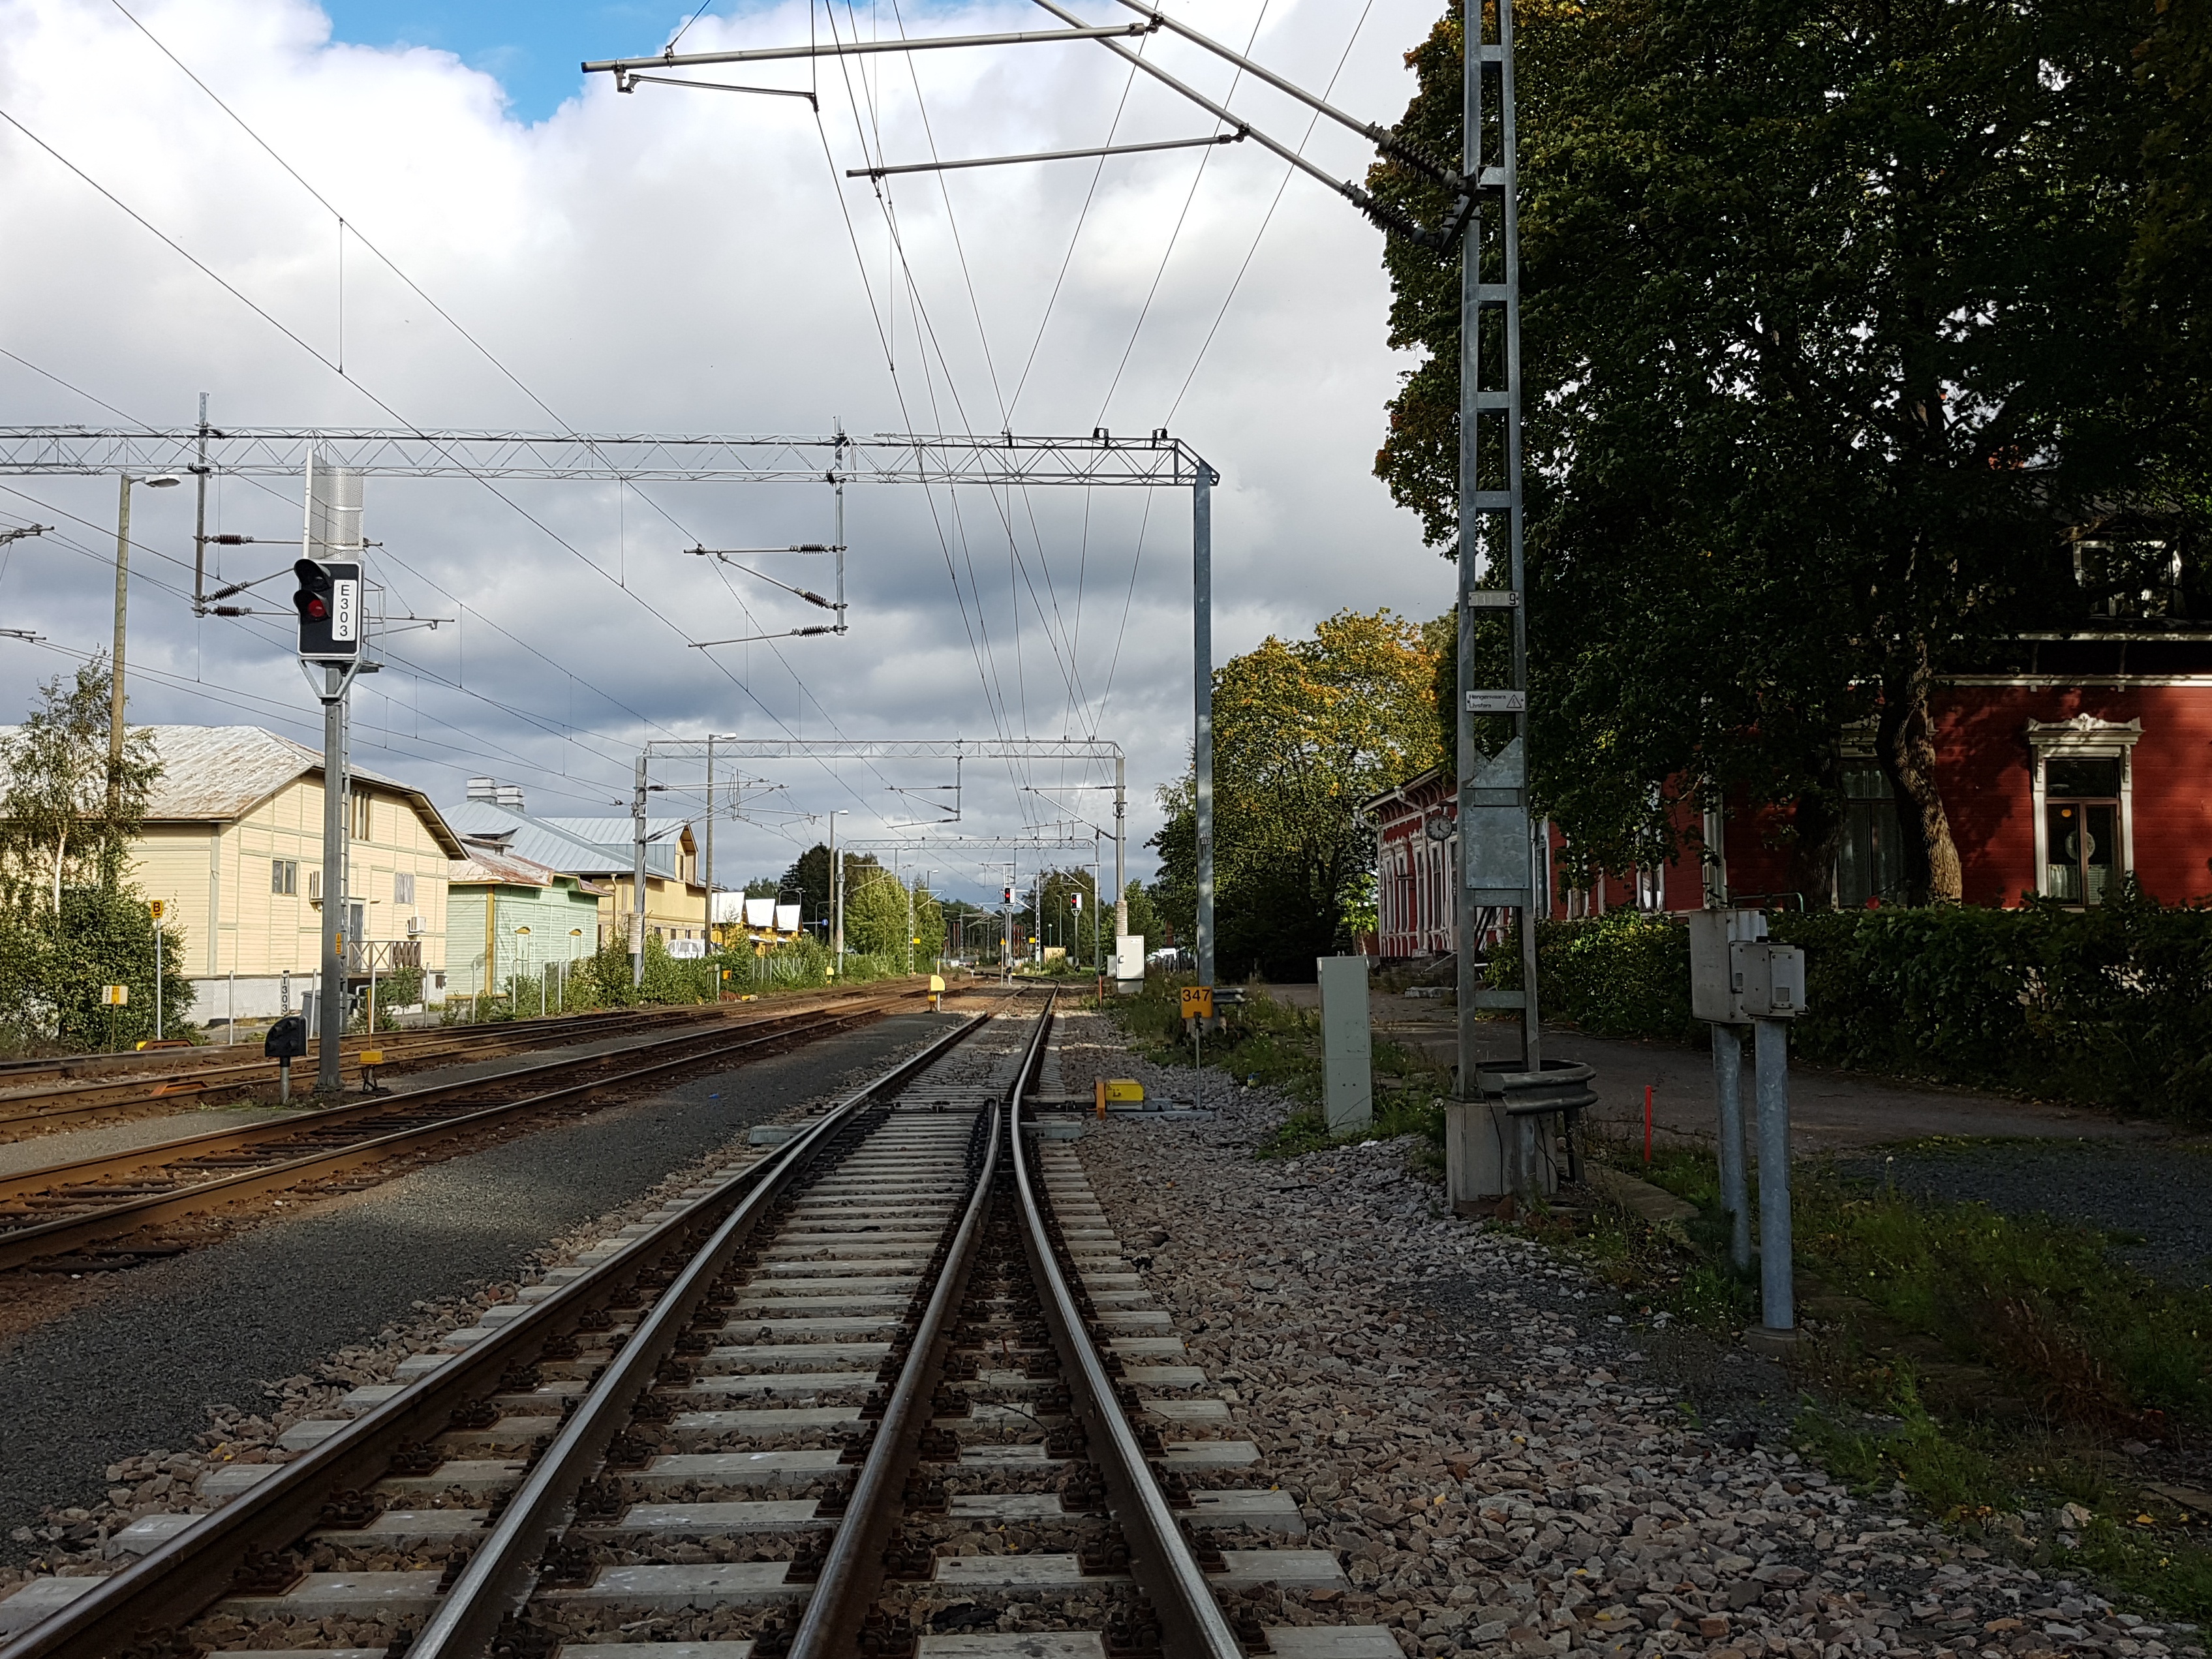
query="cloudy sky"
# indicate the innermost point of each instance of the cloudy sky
(421, 213)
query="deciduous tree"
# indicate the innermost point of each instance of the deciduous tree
(1302, 731)
(1827, 334)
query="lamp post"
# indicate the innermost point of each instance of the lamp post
(124, 481)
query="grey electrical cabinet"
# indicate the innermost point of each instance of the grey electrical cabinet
(1736, 975)
(1769, 980)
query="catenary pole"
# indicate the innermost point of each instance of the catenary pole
(1499, 865)
(1201, 691)
(637, 875)
(115, 664)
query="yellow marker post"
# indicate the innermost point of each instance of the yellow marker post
(1197, 1009)
(936, 990)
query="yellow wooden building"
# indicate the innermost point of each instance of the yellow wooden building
(233, 843)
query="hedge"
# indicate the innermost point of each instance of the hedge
(2107, 1007)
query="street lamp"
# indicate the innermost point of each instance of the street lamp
(157, 481)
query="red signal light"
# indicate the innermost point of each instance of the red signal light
(316, 608)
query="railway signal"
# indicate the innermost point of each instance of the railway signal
(329, 603)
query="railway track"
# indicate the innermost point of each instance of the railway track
(42, 1094)
(61, 1213)
(887, 1390)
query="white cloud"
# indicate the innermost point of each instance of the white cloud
(678, 261)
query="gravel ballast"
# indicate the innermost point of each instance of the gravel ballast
(147, 1365)
(1508, 1462)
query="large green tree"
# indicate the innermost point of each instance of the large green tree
(1828, 333)
(1302, 731)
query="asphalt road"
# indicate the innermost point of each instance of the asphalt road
(137, 1371)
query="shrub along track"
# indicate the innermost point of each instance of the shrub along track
(637, 1453)
(63, 1217)
(41, 1096)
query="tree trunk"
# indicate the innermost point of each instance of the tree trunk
(1906, 743)
(1819, 822)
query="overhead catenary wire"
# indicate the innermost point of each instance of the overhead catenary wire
(483, 351)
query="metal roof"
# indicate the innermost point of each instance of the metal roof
(556, 842)
(220, 774)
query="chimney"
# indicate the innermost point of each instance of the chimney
(508, 795)
(483, 789)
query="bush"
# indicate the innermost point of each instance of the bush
(2108, 1007)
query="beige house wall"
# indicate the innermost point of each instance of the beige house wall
(217, 878)
(673, 909)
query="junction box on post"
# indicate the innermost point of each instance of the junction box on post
(1739, 977)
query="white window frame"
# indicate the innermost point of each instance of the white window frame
(2084, 737)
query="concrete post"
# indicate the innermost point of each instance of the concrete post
(1771, 1070)
(1347, 1045)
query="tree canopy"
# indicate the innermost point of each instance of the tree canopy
(1304, 730)
(1835, 312)
(70, 919)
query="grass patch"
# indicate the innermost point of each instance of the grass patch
(1995, 1364)
(1272, 1045)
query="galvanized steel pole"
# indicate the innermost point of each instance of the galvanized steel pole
(1201, 630)
(115, 664)
(1120, 874)
(637, 875)
(1498, 862)
(1771, 1077)
(330, 1004)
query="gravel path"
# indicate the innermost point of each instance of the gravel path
(1509, 1459)
(145, 1367)
(2161, 1194)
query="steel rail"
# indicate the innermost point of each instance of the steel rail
(498, 1575)
(66, 1233)
(176, 1581)
(394, 1103)
(1191, 1620)
(852, 1566)
(65, 1068)
(215, 1074)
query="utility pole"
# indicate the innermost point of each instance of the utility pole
(330, 1004)
(115, 663)
(330, 610)
(1201, 633)
(1120, 877)
(710, 843)
(836, 898)
(199, 511)
(637, 875)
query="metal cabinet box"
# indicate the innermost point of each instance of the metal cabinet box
(1770, 980)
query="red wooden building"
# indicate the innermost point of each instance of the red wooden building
(2073, 759)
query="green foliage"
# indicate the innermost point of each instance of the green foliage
(70, 920)
(1826, 328)
(2110, 1006)
(1272, 1044)
(51, 970)
(1144, 917)
(1304, 731)
(1625, 974)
